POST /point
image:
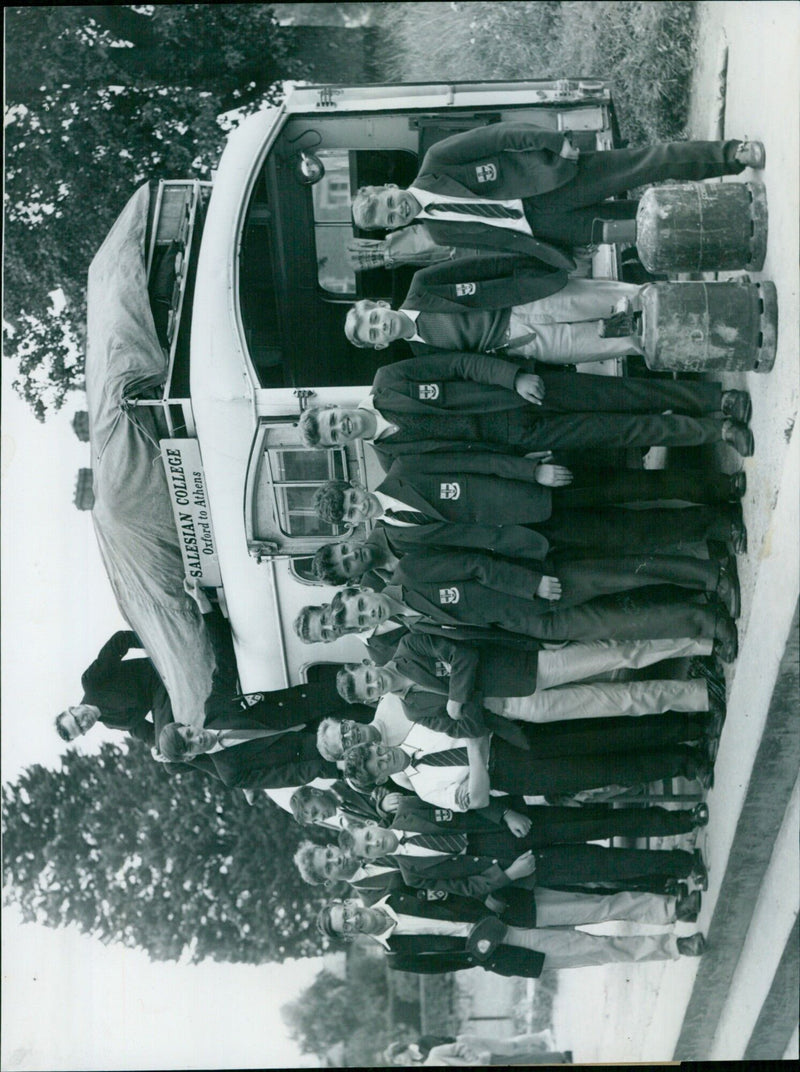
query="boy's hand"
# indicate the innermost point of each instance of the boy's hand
(530, 387)
(549, 588)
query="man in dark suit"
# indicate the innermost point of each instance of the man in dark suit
(443, 500)
(519, 188)
(470, 936)
(458, 403)
(120, 693)
(490, 303)
(243, 755)
(426, 857)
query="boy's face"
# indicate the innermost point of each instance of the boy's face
(342, 424)
(372, 841)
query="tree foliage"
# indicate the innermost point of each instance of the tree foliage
(168, 863)
(99, 99)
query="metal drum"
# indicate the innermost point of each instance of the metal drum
(703, 227)
(707, 327)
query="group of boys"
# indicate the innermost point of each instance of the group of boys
(501, 586)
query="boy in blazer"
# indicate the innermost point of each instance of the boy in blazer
(519, 188)
(462, 402)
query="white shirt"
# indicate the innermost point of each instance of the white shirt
(391, 719)
(437, 785)
(384, 427)
(425, 198)
(412, 314)
(388, 502)
(403, 924)
(282, 795)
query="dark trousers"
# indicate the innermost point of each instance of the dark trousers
(602, 487)
(585, 410)
(566, 215)
(613, 529)
(557, 825)
(590, 578)
(656, 613)
(515, 771)
(571, 864)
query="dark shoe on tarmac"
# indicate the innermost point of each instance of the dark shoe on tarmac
(699, 875)
(693, 946)
(687, 908)
(728, 591)
(738, 486)
(703, 769)
(726, 639)
(751, 154)
(739, 437)
(731, 529)
(700, 815)
(737, 405)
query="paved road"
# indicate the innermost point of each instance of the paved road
(635, 1014)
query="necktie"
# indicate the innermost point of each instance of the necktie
(475, 208)
(449, 843)
(448, 757)
(410, 517)
(232, 737)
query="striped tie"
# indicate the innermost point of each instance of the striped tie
(410, 517)
(476, 208)
(448, 757)
(449, 843)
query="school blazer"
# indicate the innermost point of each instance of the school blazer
(499, 161)
(468, 489)
(487, 282)
(513, 541)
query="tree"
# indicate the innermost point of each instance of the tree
(164, 862)
(100, 99)
(354, 1010)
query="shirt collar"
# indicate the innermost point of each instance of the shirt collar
(382, 939)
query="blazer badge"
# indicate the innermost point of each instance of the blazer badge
(429, 392)
(463, 290)
(442, 815)
(486, 172)
(443, 668)
(449, 595)
(450, 489)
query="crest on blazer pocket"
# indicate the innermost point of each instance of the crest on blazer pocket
(432, 895)
(442, 668)
(429, 392)
(450, 489)
(449, 595)
(442, 815)
(486, 172)
(463, 290)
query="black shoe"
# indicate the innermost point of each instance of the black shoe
(737, 486)
(702, 769)
(751, 154)
(726, 639)
(699, 875)
(693, 946)
(687, 908)
(728, 591)
(737, 405)
(700, 815)
(739, 437)
(731, 529)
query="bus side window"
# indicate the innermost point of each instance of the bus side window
(296, 473)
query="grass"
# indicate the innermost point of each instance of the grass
(645, 48)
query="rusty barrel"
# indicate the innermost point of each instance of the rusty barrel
(706, 327)
(703, 227)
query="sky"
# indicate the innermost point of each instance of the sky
(69, 1002)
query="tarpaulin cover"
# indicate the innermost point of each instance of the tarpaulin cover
(132, 513)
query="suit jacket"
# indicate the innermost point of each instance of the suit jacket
(501, 161)
(433, 953)
(466, 671)
(487, 282)
(125, 691)
(266, 763)
(458, 382)
(513, 541)
(428, 706)
(433, 582)
(472, 489)
(357, 805)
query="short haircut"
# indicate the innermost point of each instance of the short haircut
(61, 730)
(362, 208)
(347, 843)
(351, 323)
(325, 925)
(305, 863)
(299, 801)
(302, 623)
(346, 683)
(329, 501)
(338, 608)
(308, 426)
(355, 767)
(323, 747)
(324, 568)
(171, 743)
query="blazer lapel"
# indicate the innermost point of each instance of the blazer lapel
(402, 490)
